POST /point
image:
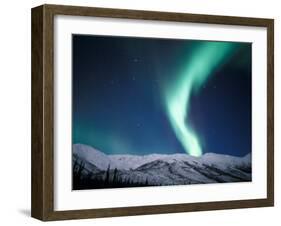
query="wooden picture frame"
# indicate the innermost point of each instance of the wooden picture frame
(42, 203)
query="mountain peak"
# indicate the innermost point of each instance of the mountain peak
(163, 169)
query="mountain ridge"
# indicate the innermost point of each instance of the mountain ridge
(164, 169)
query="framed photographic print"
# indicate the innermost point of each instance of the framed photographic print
(141, 112)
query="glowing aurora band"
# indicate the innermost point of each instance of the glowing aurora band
(205, 58)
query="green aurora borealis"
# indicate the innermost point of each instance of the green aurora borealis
(204, 60)
(140, 96)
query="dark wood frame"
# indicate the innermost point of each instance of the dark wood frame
(42, 203)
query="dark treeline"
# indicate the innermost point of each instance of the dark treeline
(84, 179)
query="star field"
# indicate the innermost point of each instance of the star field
(125, 91)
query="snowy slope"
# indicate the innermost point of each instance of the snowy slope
(160, 169)
(102, 160)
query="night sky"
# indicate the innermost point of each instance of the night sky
(147, 95)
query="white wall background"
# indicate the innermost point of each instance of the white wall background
(15, 112)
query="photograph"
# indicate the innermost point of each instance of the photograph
(152, 111)
(138, 112)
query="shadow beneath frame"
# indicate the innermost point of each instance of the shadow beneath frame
(25, 212)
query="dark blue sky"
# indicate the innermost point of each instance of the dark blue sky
(118, 104)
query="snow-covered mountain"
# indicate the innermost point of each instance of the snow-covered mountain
(161, 169)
